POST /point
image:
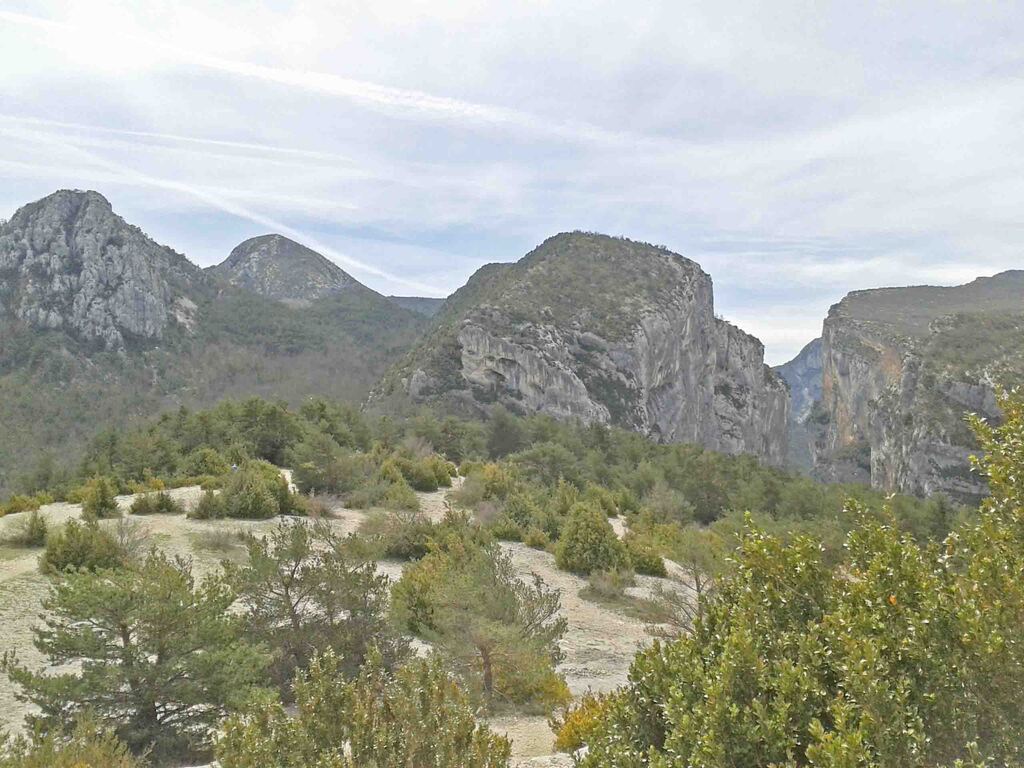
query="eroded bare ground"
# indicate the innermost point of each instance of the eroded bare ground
(599, 645)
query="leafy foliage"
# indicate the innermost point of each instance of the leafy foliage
(81, 546)
(156, 504)
(98, 499)
(418, 716)
(899, 655)
(589, 543)
(87, 746)
(30, 531)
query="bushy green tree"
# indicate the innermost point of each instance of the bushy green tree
(415, 717)
(588, 542)
(154, 657)
(499, 633)
(304, 593)
(156, 504)
(30, 531)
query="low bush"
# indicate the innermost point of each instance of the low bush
(255, 491)
(209, 507)
(17, 504)
(608, 585)
(399, 535)
(98, 499)
(588, 543)
(30, 531)
(419, 716)
(87, 746)
(574, 725)
(156, 504)
(644, 558)
(81, 546)
(535, 538)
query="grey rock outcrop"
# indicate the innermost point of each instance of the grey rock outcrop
(67, 262)
(282, 269)
(803, 375)
(900, 369)
(606, 331)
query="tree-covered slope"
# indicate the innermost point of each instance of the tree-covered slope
(101, 326)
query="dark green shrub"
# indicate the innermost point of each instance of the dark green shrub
(644, 559)
(209, 507)
(98, 499)
(206, 461)
(256, 491)
(156, 504)
(81, 546)
(398, 535)
(588, 543)
(504, 528)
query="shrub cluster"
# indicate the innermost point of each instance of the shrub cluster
(84, 546)
(156, 504)
(254, 491)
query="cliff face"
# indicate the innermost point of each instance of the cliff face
(901, 368)
(281, 269)
(68, 263)
(607, 331)
(803, 375)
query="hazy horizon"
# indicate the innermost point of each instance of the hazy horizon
(796, 157)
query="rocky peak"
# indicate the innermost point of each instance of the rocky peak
(605, 330)
(282, 269)
(69, 263)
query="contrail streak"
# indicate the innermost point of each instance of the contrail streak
(400, 102)
(178, 138)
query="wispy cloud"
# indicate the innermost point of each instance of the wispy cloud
(400, 102)
(796, 155)
(126, 174)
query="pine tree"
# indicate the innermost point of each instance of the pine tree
(159, 660)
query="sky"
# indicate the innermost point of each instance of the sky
(796, 150)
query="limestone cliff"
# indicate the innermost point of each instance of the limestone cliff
(68, 263)
(901, 367)
(803, 375)
(608, 331)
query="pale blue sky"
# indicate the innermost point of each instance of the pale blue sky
(796, 150)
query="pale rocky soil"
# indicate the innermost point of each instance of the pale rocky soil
(599, 645)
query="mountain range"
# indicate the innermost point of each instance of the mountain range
(100, 325)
